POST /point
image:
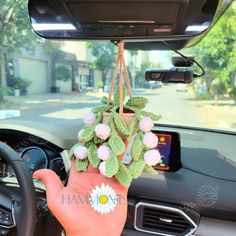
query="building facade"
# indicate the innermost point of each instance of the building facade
(39, 67)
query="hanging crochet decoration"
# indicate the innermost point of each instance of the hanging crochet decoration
(114, 125)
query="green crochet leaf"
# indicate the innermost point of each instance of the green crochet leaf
(136, 168)
(120, 124)
(135, 110)
(97, 140)
(137, 148)
(151, 115)
(97, 109)
(87, 134)
(116, 143)
(104, 100)
(150, 170)
(102, 109)
(99, 118)
(112, 165)
(133, 126)
(81, 165)
(112, 126)
(124, 176)
(137, 102)
(145, 149)
(92, 155)
(117, 95)
(71, 152)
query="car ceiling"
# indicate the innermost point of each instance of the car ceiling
(138, 35)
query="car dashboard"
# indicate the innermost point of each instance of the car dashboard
(36, 152)
(198, 199)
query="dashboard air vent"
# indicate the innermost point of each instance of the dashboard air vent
(163, 220)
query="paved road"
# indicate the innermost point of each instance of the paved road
(175, 107)
(69, 107)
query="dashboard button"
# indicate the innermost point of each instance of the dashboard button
(5, 218)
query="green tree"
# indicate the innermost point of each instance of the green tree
(232, 93)
(217, 51)
(15, 29)
(15, 25)
(217, 88)
(63, 73)
(104, 54)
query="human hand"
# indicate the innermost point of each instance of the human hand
(71, 206)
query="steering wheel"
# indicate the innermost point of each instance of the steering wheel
(15, 214)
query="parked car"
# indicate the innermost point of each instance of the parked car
(154, 85)
(181, 88)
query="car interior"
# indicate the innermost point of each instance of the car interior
(194, 191)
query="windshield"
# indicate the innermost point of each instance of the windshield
(65, 79)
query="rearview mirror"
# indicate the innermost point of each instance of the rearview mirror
(173, 75)
(116, 20)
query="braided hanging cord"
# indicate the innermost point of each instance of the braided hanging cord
(122, 71)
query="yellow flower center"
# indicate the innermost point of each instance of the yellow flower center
(103, 199)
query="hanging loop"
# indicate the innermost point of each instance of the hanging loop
(123, 70)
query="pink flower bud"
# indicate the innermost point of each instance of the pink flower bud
(89, 118)
(146, 124)
(81, 152)
(150, 140)
(152, 157)
(104, 152)
(103, 131)
(102, 168)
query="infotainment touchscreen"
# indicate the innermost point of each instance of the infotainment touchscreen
(169, 148)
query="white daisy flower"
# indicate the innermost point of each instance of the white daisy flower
(103, 199)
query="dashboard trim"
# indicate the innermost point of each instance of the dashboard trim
(158, 206)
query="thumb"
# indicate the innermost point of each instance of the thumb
(51, 180)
